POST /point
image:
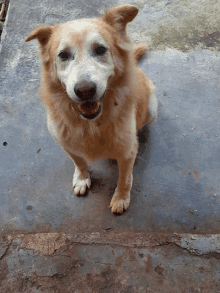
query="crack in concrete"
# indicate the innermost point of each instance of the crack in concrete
(72, 264)
(5, 250)
(189, 251)
(51, 243)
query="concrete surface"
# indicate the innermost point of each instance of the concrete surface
(168, 239)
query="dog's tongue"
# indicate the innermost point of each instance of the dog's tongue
(89, 108)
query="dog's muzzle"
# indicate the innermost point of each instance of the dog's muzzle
(91, 109)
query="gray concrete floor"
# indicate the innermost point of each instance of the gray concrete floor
(168, 239)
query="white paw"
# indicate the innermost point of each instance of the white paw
(80, 184)
(120, 202)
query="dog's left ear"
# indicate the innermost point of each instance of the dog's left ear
(41, 33)
(119, 16)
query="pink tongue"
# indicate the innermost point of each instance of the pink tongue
(89, 108)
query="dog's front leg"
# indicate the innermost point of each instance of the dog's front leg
(121, 198)
(81, 178)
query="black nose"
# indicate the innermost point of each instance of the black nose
(85, 90)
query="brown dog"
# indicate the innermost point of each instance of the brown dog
(96, 96)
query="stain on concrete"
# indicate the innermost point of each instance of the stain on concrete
(196, 173)
(148, 261)
(201, 270)
(132, 255)
(160, 270)
(119, 261)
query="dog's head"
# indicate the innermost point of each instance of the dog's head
(84, 54)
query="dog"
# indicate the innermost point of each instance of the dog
(95, 95)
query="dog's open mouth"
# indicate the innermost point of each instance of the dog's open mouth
(90, 109)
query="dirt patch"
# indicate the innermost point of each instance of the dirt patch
(179, 24)
(45, 243)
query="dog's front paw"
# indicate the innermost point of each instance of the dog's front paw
(80, 184)
(120, 202)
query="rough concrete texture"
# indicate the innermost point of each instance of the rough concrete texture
(168, 239)
(106, 262)
(178, 24)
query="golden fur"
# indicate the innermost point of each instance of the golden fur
(129, 103)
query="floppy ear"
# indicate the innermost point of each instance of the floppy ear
(41, 33)
(119, 16)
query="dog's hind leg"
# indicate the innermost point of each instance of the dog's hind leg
(81, 178)
(153, 104)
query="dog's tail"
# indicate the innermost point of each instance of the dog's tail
(138, 51)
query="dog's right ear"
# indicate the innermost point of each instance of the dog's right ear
(41, 33)
(119, 16)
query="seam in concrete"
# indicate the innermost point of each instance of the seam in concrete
(50, 243)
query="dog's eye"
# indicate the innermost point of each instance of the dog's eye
(100, 50)
(64, 55)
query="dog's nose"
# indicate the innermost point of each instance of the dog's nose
(85, 90)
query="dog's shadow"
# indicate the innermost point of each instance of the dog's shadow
(143, 136)
(144, 142)
(104, 173)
